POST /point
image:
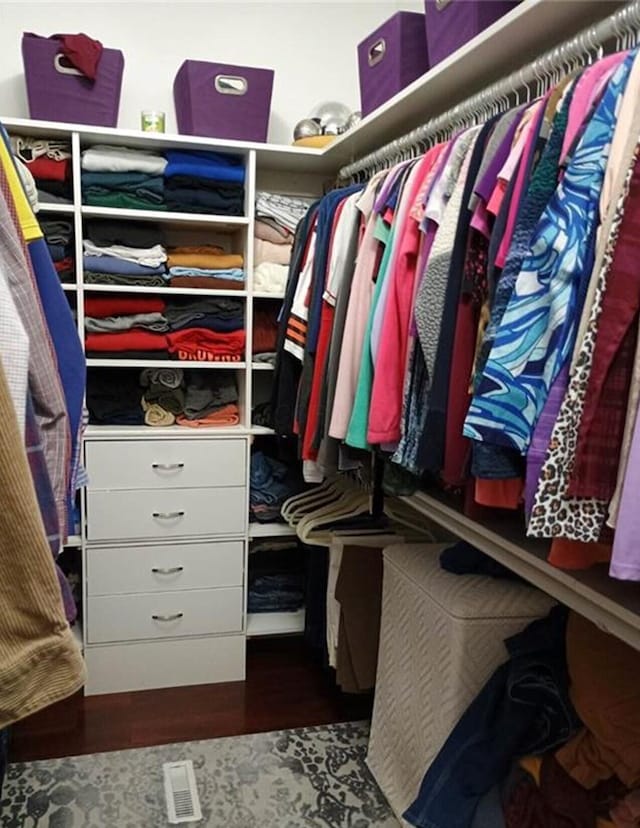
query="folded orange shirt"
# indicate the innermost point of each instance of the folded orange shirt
(209, 258)
(225, 416)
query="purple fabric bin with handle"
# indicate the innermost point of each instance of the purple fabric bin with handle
(58, 92)
(216, 100)
(452, 23)
(391, 58)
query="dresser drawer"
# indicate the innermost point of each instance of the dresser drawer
(167, 662)
(161, 464)
(164, 615)
(165, 513)
(127, 569)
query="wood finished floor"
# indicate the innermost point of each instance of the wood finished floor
(285, 688)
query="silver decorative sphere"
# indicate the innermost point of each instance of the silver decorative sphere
(331, 114)
(306, 128)
(333, 127)
(354, 120)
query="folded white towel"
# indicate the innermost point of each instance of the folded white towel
(270, 278)
(148, 256)
(102, 158)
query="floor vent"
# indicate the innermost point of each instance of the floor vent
(183, 804)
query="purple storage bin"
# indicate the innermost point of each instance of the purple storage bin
(391, 58)
(216, 100)
(451, 23)
(58, 92)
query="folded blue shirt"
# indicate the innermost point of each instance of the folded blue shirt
(111, 264)
(210, 165)
(236, 274)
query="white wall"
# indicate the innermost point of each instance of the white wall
(310, 45)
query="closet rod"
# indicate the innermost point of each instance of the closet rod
(545, 71)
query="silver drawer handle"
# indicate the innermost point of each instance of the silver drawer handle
(170, 571)
(167, 515)
(173, 617)
(167, 466)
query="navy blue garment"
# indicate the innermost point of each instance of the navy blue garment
(324, 226)
(72, 366)
(287, 370)
(464, 559)
(326, 215)
(432, 440)
(215, 166)
(523, 709)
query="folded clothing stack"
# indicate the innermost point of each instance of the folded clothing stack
(205, 266)
(58, 234)
(277, 217)
(276, 578)
(138, 327)
(123, 177)
(209, 402)
(162, 397)
(265, 334)
(272, 482)
(49, 162)
(126, 327)
(124, 253)
(114, 397)
(204, 182)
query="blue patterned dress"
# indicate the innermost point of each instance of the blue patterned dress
(537, 332)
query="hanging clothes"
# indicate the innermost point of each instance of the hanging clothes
(481, 328)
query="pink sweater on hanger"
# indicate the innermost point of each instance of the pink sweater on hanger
(385, 412)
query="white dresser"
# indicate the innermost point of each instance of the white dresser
(165, 558)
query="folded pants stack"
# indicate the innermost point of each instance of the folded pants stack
(204, 182)
(206, 266)
(124, 253)
(277, 217)
(58, 234)
(272, 482)
(49, 162)
(210, 330)
(276, 579)
(123, 178)
(162, 397)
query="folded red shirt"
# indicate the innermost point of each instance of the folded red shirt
(204, 345)
(48, 169)
(136, 339)
(64, 264)
(101, 306)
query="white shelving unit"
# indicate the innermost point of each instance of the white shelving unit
(275, 623)
(166, 469)
(270, 530)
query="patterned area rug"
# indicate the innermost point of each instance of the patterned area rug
(314, 777)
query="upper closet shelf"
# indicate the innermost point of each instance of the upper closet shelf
(270, 156)
(533, 27)
(613, 605)
(226, 224)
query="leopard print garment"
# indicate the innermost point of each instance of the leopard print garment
(554, 513)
